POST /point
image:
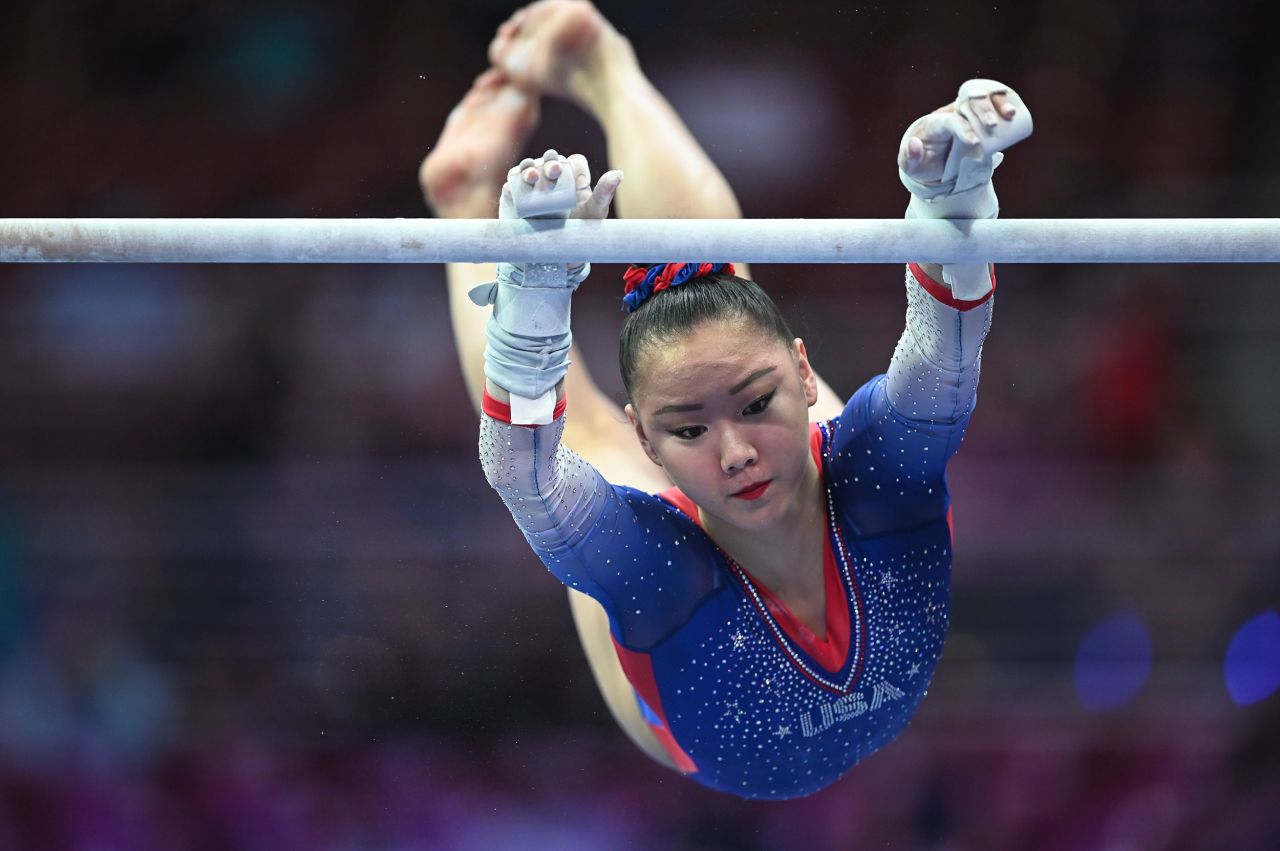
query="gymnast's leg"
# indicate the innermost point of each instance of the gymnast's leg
(566, 48)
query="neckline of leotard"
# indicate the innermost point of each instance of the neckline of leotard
(831, 654)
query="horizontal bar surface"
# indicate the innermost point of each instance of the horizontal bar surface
(639, 240)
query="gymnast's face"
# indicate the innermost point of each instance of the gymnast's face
(725, 411)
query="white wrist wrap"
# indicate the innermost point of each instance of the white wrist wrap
(532, 300)
(527, 335)
(537, 411)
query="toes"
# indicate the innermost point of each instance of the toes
(441, 183)
(511, 25)
(516, 59)
(506, 34)
(483, 87)
(489, 79)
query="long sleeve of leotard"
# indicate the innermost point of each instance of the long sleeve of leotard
(889, 448)
(639, 557)
(933, 376)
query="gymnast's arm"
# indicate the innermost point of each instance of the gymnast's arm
(946, 159)
(552, 493)
(890, 446)
(597, 538)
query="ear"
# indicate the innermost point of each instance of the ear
(808, 377)
(634, 419)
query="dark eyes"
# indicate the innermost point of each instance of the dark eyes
(757, 407)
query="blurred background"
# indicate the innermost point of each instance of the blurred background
(254, 591)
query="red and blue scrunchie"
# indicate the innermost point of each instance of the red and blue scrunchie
(644, 281)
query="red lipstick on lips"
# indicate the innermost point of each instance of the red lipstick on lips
(754, 491)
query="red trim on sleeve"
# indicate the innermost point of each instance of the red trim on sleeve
(501, 411)
(943, 293)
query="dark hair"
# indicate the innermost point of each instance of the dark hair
(671, 313)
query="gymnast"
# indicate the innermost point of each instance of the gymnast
(759, 572)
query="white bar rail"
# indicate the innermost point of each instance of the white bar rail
(638, 240)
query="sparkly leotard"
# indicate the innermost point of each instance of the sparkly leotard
(741, 695)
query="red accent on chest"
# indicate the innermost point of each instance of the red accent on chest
(831, 650)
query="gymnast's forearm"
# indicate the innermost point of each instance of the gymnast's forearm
(933, 377)
(553, 494)
(946, 160)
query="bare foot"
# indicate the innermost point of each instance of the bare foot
(482, 137)
(557, 47)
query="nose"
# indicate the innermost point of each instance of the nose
(736, 452)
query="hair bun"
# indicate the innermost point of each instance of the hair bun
(643, 281)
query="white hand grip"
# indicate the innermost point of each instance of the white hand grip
(1005, 133)
(544, 197)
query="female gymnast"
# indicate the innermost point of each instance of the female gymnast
(759, 573)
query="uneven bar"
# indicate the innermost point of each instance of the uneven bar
(635, 240)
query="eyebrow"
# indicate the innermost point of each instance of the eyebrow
(737, 388)
(750, 378)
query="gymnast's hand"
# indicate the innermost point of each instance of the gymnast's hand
(946, 159)
(541, 176)
(527, 337)
(986, 113)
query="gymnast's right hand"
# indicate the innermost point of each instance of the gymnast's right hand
(541, 175)
(527, 337)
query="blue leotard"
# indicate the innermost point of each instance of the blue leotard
(742, 697)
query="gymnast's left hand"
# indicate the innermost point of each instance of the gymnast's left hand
(592, 203)
(927, 145)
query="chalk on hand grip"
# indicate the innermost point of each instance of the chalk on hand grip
(970, 166)
(544, 197)
(1005, 133)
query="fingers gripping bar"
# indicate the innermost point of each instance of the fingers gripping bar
(545, 197)
(971, 165)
